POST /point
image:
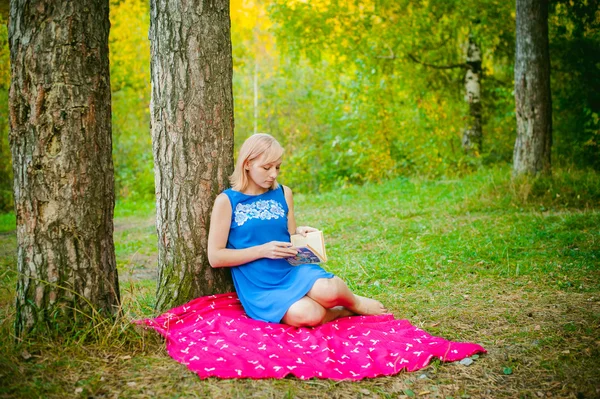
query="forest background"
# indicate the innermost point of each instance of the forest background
(362, 92)
(358, 91)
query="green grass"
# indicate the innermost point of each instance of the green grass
(512, 265)
(8, 222)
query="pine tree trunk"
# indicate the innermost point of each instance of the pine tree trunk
(532, 89)
(192, 135)
(473, 134)
(63, 172)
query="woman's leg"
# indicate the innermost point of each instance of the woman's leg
(330, 292)
(308, 313)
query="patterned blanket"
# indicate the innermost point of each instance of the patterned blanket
(213, 337)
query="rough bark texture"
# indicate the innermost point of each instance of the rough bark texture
(473, 134)
(192, 135)
(532, 89)
(60, 134)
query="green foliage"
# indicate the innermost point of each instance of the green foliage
(130, 85)
(393, 115)
(350, 91)
(384, 64)
(575, 54)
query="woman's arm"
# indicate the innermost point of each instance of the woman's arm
(220, 256)
(289, 199)
(292, 228)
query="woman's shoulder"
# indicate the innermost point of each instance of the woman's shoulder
(229, 193)
(223, 199)
(286, 189)
(287, 192)
(287, 195)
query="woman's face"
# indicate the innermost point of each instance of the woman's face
(263, 174)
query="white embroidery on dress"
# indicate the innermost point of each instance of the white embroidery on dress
(262, 209)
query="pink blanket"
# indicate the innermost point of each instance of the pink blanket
(213, 337)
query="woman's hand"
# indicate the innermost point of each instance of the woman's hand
(304, 229)
(278, 250)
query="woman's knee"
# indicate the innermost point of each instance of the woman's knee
(327, 291)
(305, 312)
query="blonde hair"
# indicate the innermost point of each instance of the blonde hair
(254, 147)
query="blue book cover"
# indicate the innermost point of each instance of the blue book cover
(305, 255)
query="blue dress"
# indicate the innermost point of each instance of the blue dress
(266, 287)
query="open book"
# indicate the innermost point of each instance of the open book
(311, 249)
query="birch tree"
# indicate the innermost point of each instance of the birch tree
(473, 134)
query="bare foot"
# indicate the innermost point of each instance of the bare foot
(336, 312)
(368, 306)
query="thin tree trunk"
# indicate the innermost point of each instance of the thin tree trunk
(473, 134)
(60, 121)
(192, 135)
(532, 89)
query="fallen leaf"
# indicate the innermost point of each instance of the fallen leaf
(467, 361)
(78, 390)
(409, 392)
(26, 355)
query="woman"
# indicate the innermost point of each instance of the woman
(250, 230)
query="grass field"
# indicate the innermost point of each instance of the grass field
(513, 266)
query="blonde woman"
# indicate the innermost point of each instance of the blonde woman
(250, 230)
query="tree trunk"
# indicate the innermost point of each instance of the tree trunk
(532, 89)
(60, 121)
(192, 135)
(473, 134)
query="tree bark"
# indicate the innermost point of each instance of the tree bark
(532, 89)
(60, 134)
(473, 134)
(192, 135)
